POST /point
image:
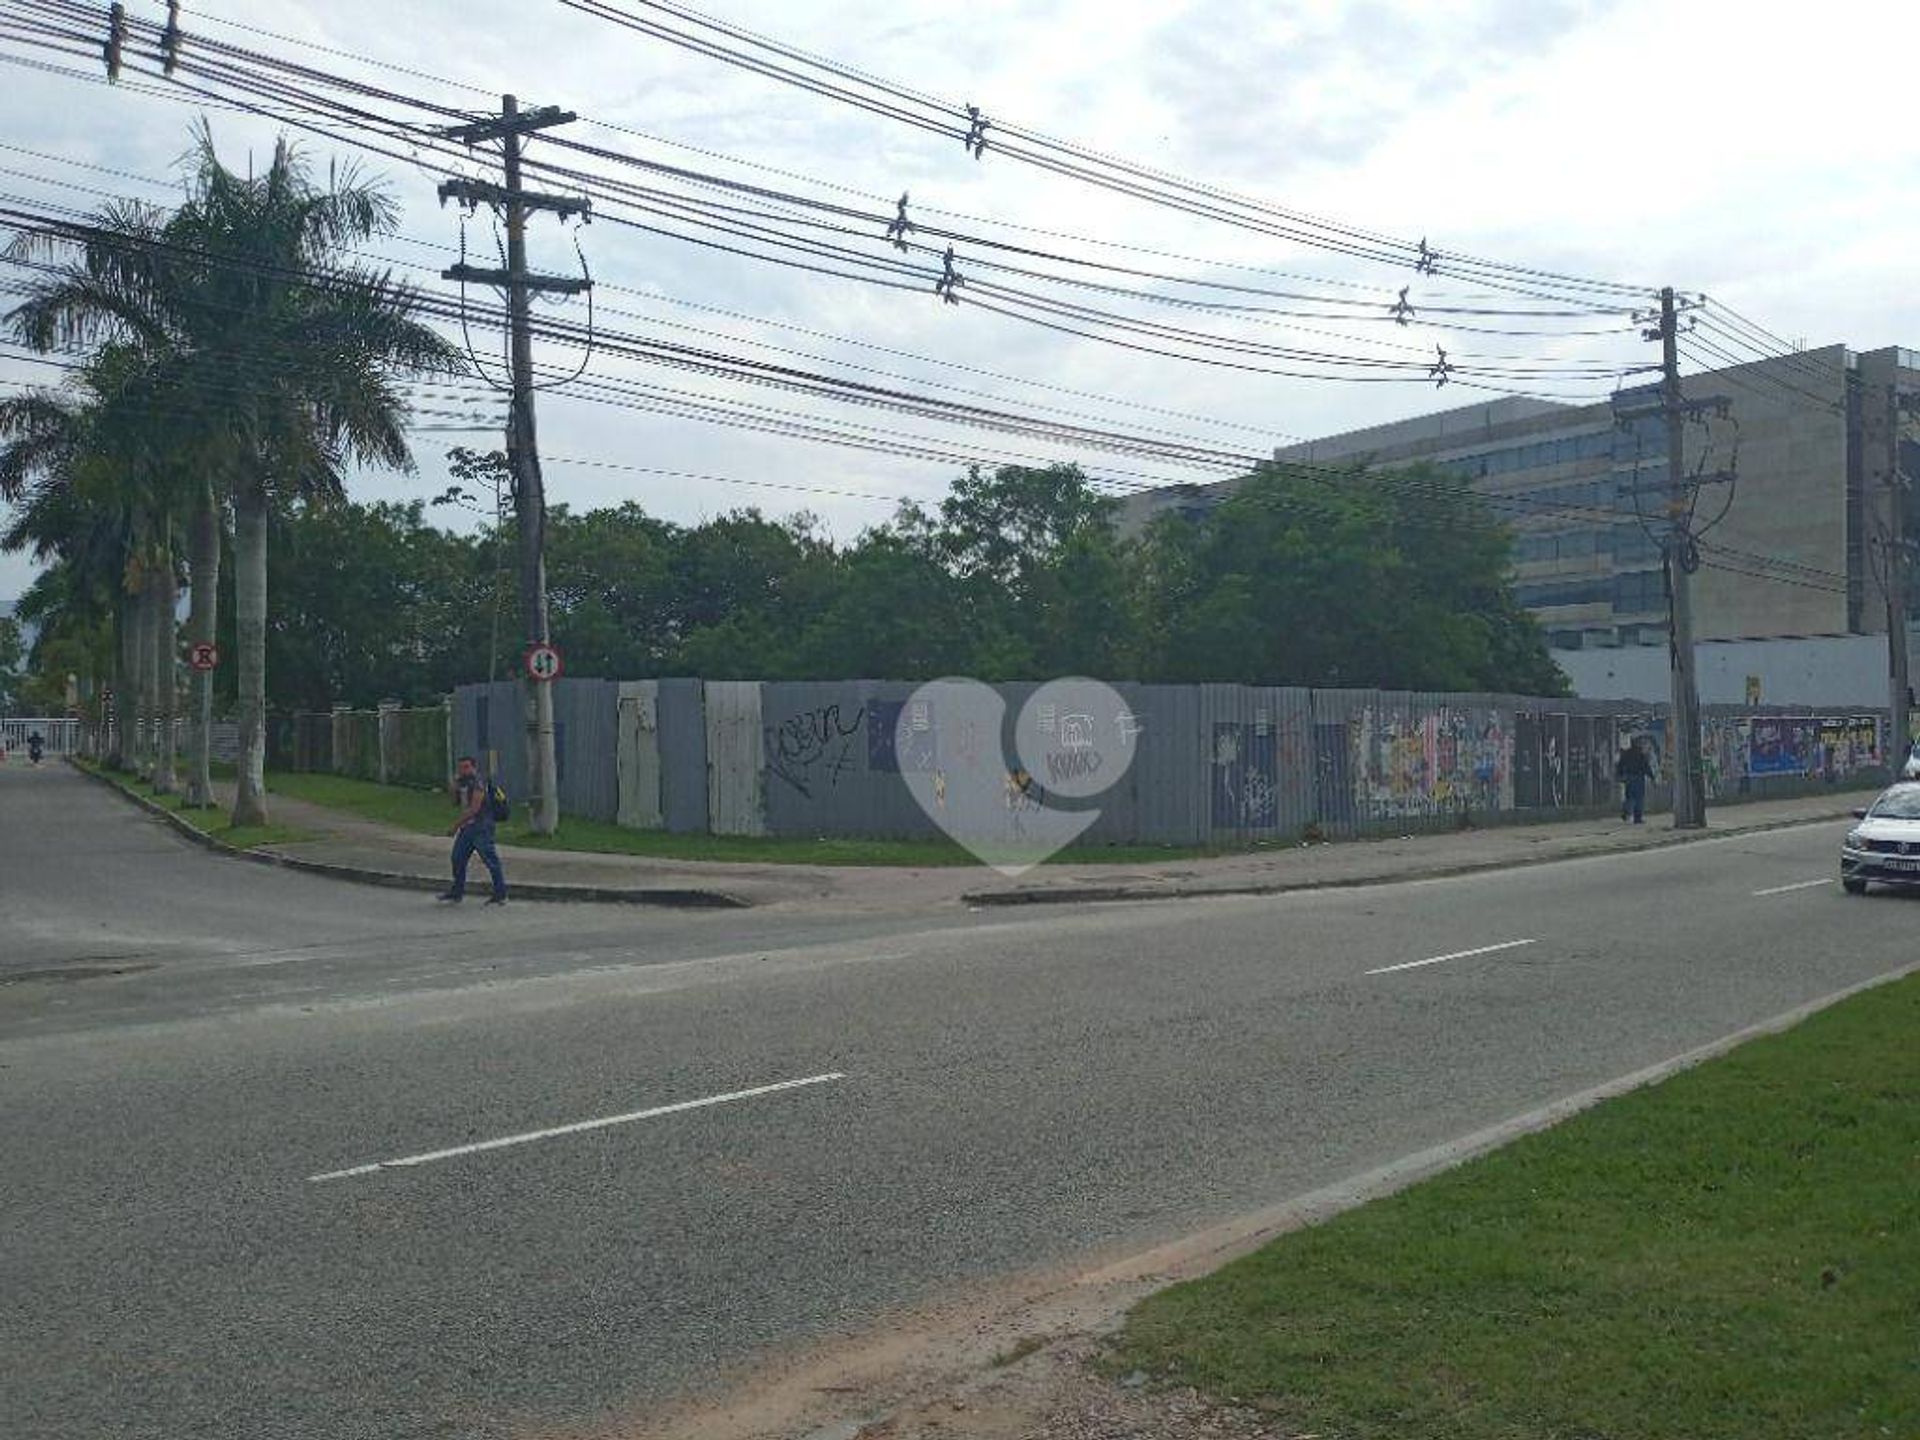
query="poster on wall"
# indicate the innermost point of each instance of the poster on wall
(1526, 761)
(1652, 729)
(1847, 745)
(1779, 745)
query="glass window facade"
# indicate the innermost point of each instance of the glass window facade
(1639, 591)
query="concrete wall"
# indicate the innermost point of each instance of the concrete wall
(1820, 670)
(1790, 504)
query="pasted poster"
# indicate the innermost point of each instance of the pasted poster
(1246, 780)
(1444, 762)
(1526, 760)
(1725, 741)
(1780, 745)
(1847, 745)
(1648, 729)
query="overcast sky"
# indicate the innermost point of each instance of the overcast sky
(1700, 145)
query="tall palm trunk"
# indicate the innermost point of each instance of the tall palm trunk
(250, 625)
(204, 558)
(165, 596)
(126, 701)
(140, 610)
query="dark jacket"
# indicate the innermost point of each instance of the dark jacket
(1633, 761)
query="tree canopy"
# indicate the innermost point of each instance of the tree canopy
(1300, 577)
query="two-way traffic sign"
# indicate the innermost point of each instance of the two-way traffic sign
(543, 663)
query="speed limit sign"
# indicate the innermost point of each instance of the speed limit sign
(543, 663)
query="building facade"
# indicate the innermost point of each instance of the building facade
(1795, 470)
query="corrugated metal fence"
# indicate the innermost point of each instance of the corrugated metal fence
(1210, 764)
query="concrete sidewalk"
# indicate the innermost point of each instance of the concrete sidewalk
(350, 847)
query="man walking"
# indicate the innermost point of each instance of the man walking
(1633, 770)
(473, 833)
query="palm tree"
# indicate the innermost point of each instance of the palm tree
(280, 359)
(95, 499)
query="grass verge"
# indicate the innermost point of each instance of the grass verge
(1733, 1253)
(213, 822)
(430, 812)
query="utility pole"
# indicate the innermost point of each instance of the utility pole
(1689, 777)
(1898, 672)
(523, 453)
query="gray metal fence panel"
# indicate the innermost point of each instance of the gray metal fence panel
(735, 782)
(637, 756)
(1220, 764)
(488, 725)
(831, 763)
(683, 755)
(586, 717)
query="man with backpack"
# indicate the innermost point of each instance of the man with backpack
(481, 804)
(1633, 770)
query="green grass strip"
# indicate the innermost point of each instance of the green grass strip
(430, 812)
(1733, 1254)
(211, 821)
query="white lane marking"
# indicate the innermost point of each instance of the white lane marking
(576, 1128)
(1456, 955)
(1797, 885)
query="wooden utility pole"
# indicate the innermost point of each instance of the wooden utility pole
(1689, 777)
(523, 452)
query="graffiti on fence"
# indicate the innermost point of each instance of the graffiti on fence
(1246, 779)
(1449, 760)
(1580, 769)
(1553, 761)
(813, 745)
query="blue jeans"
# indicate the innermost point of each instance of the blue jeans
(1635, 802)
(472, 840)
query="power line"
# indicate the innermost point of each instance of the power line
(887, 99)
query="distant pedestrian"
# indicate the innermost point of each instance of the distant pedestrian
(1633, 770)
(36, 746)
(473, 833)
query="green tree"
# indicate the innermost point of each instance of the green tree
(1354, 577)
(282, 358)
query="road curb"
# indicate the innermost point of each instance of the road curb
(1100, 894)
(680, 899)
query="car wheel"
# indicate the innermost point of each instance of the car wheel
(1853, 886)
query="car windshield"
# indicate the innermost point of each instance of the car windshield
(1897, 805)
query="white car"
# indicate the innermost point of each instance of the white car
(1884, 844)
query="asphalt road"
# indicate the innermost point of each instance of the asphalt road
(187, 1042)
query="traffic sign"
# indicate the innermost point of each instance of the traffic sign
(543, 663)
(203, 655)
